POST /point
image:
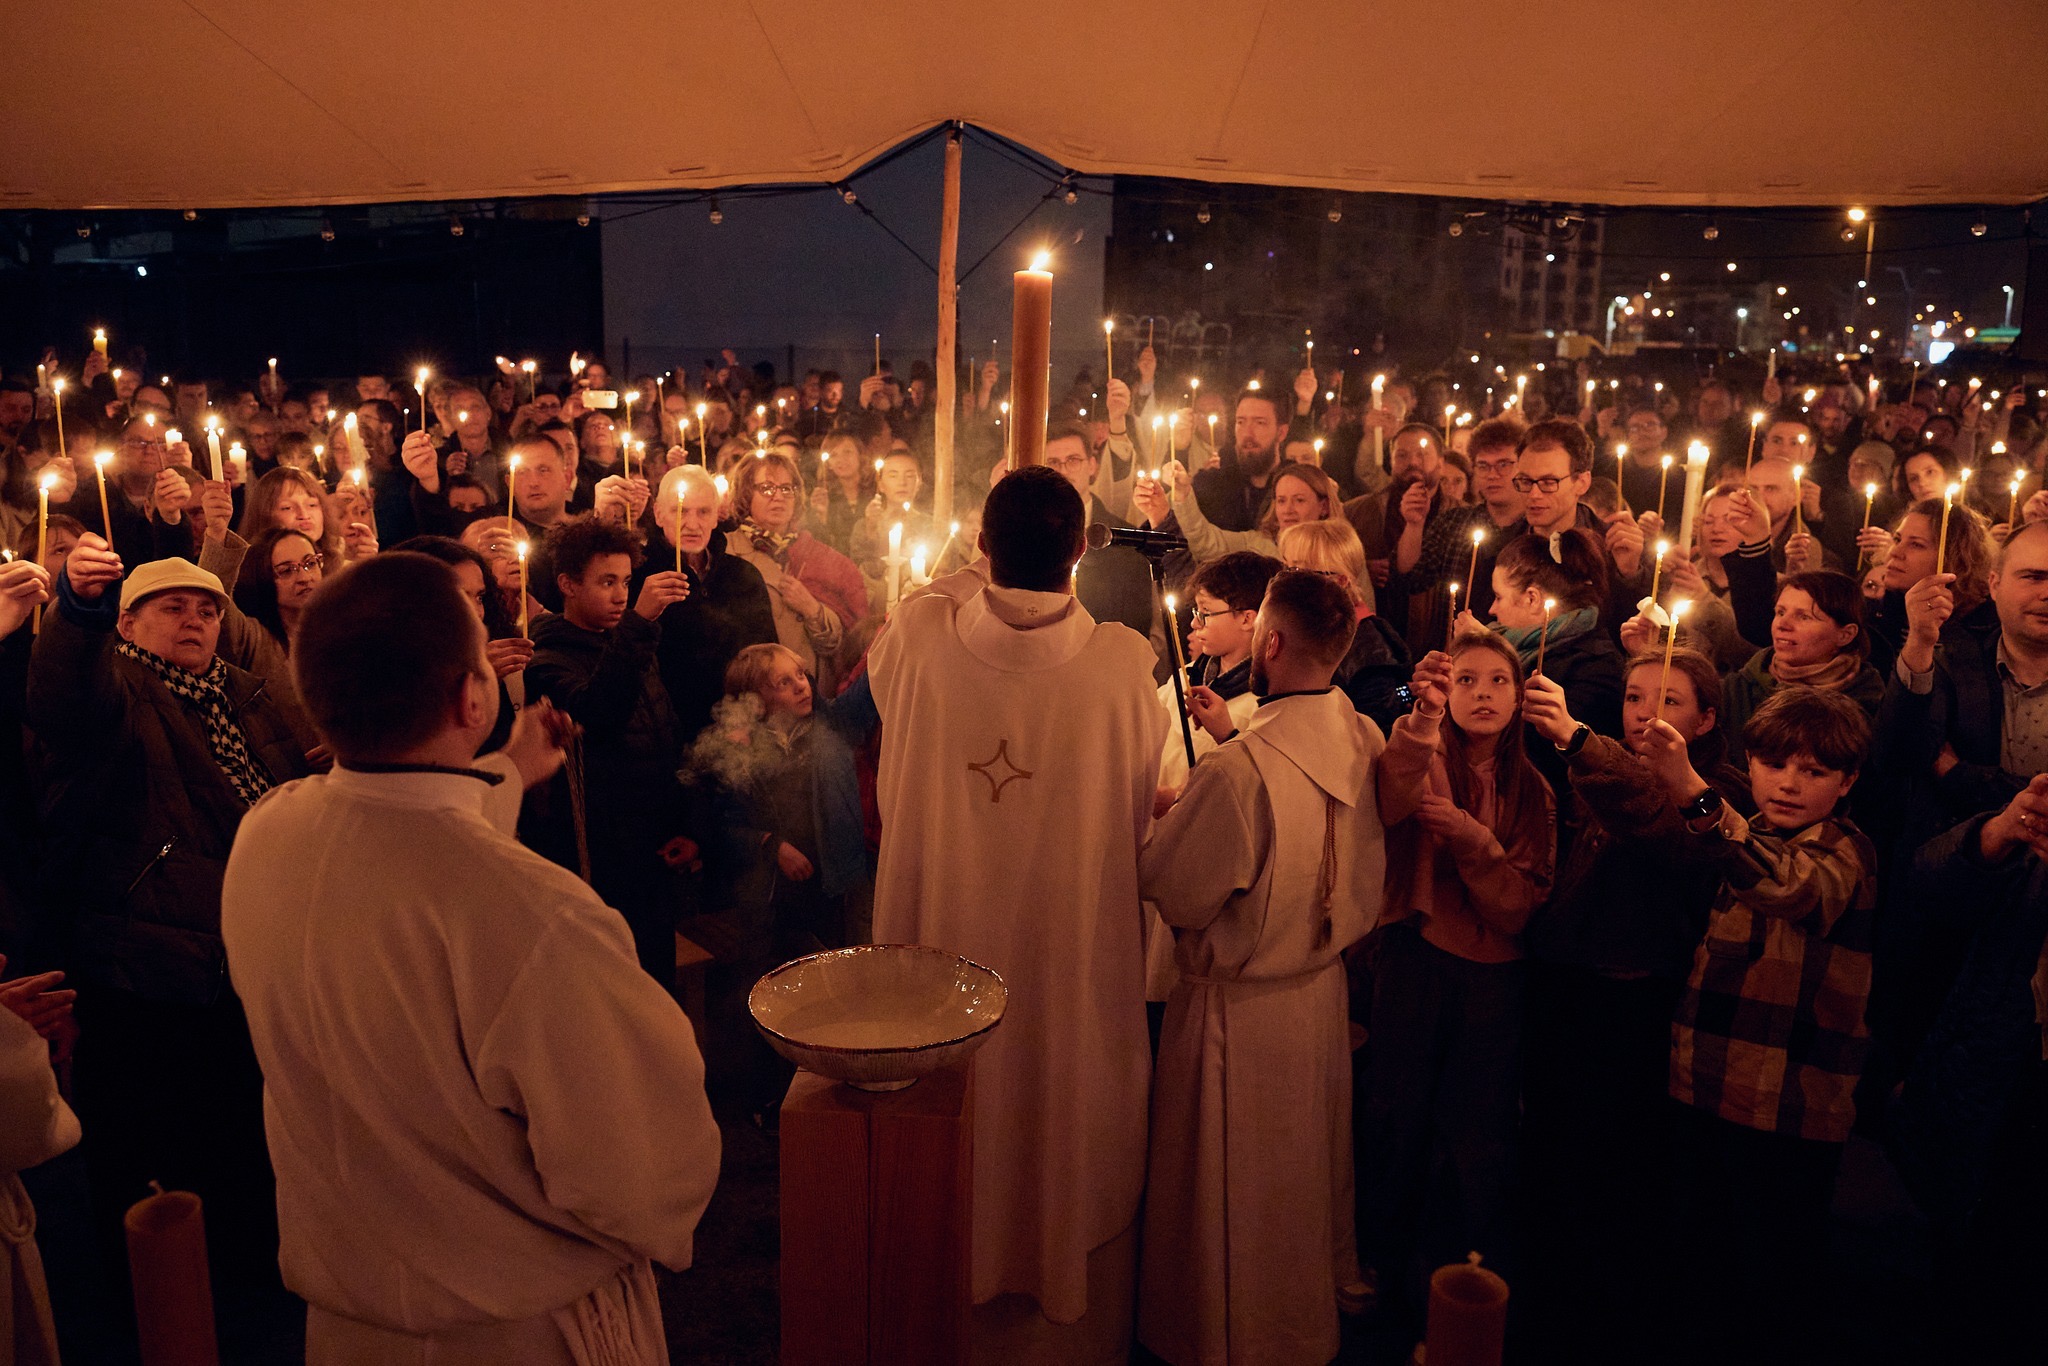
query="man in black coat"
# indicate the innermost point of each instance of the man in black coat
(726, 610)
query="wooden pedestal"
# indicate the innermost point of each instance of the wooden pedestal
(877, 1204)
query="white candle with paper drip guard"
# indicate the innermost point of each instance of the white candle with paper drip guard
(1695, 486)
(238, 462)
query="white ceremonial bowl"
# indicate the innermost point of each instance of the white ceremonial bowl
(878, 1016)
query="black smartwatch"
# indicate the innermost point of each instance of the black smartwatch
(1704, 807)
(1571, 747)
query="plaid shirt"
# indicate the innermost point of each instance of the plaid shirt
(1770, 1033)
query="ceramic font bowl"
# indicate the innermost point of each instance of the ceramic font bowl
(878, 1016)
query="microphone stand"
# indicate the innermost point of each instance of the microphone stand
(1187, 734)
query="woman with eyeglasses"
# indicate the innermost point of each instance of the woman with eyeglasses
(278, 575)
(817, 594)
(1569, 571)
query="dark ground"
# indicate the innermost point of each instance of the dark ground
(723, 1311)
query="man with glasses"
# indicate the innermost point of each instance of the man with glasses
(137, 477)
(1644, 469)
(1553, 469)
(1442, 554)
(1113, 583)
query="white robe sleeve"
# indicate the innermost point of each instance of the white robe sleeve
(1207, 849)
(501, 804)
(603, 1067)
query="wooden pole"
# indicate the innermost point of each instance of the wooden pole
(947, 399)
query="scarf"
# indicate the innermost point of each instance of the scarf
(774, 544)
(1830, 675)
(207, 693)
(1562, 628)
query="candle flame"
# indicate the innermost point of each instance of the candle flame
(1478, 536)
(515, 460)
(1678, 609)
(718, 482)
(1172, 603)
(101, 458)
(1663, 548)
(1042, 261)
(520, 550)
(1549, 606)
(1756, 418)
(349, 422)
(1667, 462)
(1109, 325)
(49, 481)
(1948, 495)
(1870, 492)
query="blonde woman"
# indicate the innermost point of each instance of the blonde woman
(1296, 494)
(1374, 674)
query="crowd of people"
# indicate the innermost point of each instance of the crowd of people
(1548, 860)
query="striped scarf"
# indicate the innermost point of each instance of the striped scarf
(206, 693)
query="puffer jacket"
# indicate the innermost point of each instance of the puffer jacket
(138, 818)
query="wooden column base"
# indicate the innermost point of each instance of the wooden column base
(877, 1210)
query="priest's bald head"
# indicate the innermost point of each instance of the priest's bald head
(389, 660)
(1032, 524)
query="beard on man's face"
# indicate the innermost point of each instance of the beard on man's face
(1260, 684)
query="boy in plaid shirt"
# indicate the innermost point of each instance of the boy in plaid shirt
(1769, 1038)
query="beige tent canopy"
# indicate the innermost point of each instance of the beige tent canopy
(174, 103)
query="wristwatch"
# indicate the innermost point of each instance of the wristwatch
(1576, 742)
(1706, 806)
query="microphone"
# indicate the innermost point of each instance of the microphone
(1141, 539)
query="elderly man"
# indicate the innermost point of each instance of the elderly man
(156, 748)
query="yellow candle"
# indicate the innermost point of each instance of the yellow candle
(1670, 644)
(1870, 501)
(1451, 620)
(1756, 420)
(99, 344)
(1108, 357)
(1478, 539)
(703, 451)
(2012, 506)
(521, 550)
(213, 446)
(1180, 660)
(1948, 498)
(1549, 606)
(512, 492)
(1663, 478)
(419, 384)
(43, 487)
(57, 405)
(1450, 412)
(1657, 568)
(531, 369)
(99, 466)
(1620, 471)
(1798, 501)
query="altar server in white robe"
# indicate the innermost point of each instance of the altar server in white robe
(1021, 745)
(486, 1120)
(1267, 869)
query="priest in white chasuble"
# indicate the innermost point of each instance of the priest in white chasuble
(1020, 749)
(1269, 866)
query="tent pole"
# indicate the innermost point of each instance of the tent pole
(947, 397)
